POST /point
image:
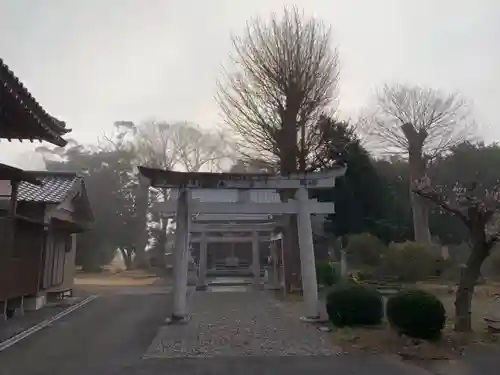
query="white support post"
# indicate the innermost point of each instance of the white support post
(202, 263)
(181, 258)
(273, 268)
(256, 258)
(343, 265)
(307, 261)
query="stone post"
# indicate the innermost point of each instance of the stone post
(202, 263)
(255, 258)
(343, 265)
(307, 260)
(181, 258)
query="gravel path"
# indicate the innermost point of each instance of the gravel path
(239, 324)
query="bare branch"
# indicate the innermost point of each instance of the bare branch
(285, 76)
(441, 119)
(475, 206)
(199, 149)
(440, 201)
(155, 147)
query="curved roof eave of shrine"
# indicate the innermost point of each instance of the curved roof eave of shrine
(22, 117)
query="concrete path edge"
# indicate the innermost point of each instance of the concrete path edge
(37, 327)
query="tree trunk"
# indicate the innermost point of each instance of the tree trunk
(420, 211)
(466, 286)
(291, 252)
(288, 164)
(91, 260)
(418, 170)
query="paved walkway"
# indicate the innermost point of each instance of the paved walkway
(230, 333)
(232, 324)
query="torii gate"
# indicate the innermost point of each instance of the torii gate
(185, 207)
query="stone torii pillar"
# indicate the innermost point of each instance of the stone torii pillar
(179, 312)
(202, 263)
(307, 260)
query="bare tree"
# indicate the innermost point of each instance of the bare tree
(285, 76)
(478, 209)
(420, 123)
(252, 166)
(168, 146)
(154, 144)
(199, 149)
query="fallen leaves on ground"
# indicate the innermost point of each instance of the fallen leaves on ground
(383, 340)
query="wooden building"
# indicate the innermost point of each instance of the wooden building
(38, 211)
(42, 252)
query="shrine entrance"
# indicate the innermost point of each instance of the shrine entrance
(239, 208)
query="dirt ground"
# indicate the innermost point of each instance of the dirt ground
(486, 301)
(382, 339)
(123, 278)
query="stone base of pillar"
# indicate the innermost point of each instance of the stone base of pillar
(174, 319)
(313, 319)
(201, 287)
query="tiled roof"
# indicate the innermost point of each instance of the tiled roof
(54, 189)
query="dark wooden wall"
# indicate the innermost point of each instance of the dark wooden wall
(20, 264)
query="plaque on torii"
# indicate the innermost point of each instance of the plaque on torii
(205, 180)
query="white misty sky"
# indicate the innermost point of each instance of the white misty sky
(92, 62)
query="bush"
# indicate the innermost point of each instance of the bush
(416, 313)
(364, 249)
(351, 304)
(326, 273)
(408, 262)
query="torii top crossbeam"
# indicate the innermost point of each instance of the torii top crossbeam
(203, 180)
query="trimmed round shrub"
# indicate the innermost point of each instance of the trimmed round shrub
(351, 304)
(326, 273)
(416, 313)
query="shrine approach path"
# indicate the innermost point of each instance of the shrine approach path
(242, 333)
